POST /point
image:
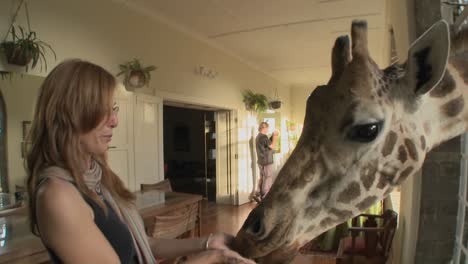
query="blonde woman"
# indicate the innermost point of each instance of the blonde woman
(78, 206)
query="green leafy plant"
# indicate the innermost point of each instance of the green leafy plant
(25, 48)
(255, 101)
(135, 75)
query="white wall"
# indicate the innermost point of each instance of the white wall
(109, 33)
(20, 97)
(299, 96)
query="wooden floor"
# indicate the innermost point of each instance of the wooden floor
(229, 219)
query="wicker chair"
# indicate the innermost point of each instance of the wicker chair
(164, 185)
(180, 223)
(375, 243)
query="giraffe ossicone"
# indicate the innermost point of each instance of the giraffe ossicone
(365, 132)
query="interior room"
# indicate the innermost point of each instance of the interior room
(362, 172)
(190, 150)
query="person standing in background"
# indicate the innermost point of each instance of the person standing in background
(265, 147)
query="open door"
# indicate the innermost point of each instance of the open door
(226, 165)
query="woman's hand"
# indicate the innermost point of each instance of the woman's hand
(219, 241)
(218, 256)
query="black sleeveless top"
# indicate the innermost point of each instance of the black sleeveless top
(115, 231)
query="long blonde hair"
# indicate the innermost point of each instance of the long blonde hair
(73, 99)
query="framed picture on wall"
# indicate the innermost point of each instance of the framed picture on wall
(26, 129)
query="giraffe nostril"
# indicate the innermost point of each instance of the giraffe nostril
(254, 223)
(256, 227)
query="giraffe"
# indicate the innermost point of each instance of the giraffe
(365, 132)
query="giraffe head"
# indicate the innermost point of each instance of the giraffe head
(362, 137)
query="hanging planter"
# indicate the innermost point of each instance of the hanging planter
(135, 75)
(276, 103)
(254, 101)
(24, 48)
(15, 55)
(137, 79)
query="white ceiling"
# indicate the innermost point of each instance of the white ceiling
(289, 39)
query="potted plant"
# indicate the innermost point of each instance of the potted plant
(135, 75)
(255, 101)
(25, 48)
(275, 104)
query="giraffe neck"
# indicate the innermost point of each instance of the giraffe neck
(443, 111)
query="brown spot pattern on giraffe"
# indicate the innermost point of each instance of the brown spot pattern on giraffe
(326, 222)
(312, 212)
(423, 143)
(368, 176)
(453, 107)
(341, 214)
(323, 189)
(351, 192)
(311, 228)
(389, 144)
(446, 86)
(385, 178)
(297, 182)
(388, 191)
(411, 147)
(390, 175)
(308, 172)
(366, 203)
(402, 156)
(404, 174)
(282, 197)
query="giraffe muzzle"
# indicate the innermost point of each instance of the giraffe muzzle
(264, 237)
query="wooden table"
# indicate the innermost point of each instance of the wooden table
(152, 203)
(19, 245)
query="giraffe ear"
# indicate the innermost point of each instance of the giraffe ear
(427, 58)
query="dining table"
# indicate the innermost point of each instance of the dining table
(19, 245)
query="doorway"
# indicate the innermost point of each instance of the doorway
(190, 150)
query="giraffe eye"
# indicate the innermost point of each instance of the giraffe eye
(364, 133)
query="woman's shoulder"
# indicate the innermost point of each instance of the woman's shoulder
(58, 206)
(56, 193)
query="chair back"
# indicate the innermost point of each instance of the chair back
(390, 219)
(20, 188)
(164, 185)
(176, 223)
